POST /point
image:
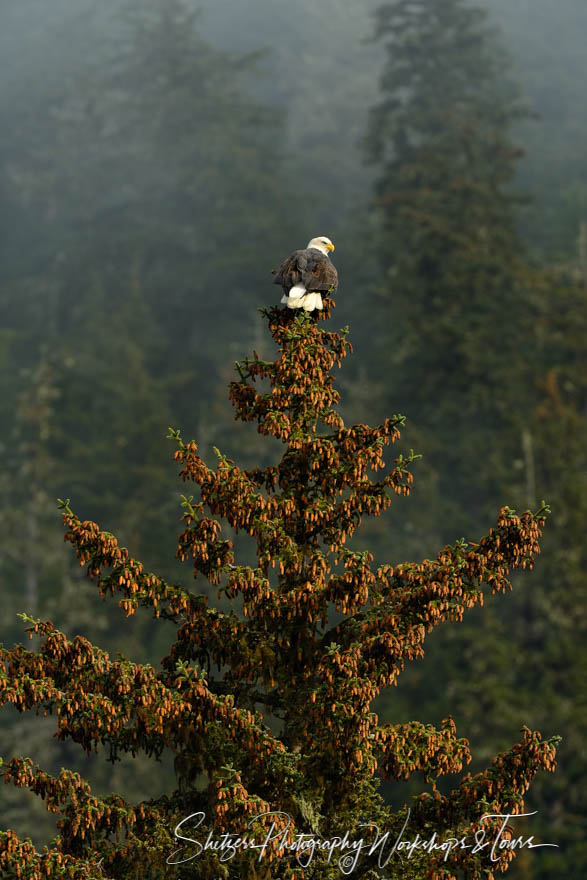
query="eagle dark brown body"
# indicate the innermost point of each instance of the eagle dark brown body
(310, 268)
(306, 275)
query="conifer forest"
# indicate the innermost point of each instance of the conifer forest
(293, 594)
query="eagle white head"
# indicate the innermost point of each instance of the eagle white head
(321, 243)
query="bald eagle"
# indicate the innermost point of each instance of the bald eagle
(306, 274)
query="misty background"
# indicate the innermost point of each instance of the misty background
(158, 158)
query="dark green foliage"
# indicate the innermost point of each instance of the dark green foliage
(440, 139)
(489, 376)
(154, 179)
(460, 296)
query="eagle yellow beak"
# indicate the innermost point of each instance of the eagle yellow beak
(330, 246)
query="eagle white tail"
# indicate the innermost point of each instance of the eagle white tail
(296, 297)
(299, 298)
(312, 301)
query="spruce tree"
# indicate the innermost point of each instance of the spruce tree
(264, 701)
(476, 344)
(458, 295)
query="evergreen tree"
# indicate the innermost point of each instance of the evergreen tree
(490, 351)
(142, 177)
(456, 285)
(490, 694)
(322, 632)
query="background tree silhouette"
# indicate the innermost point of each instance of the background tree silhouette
(493, 384)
